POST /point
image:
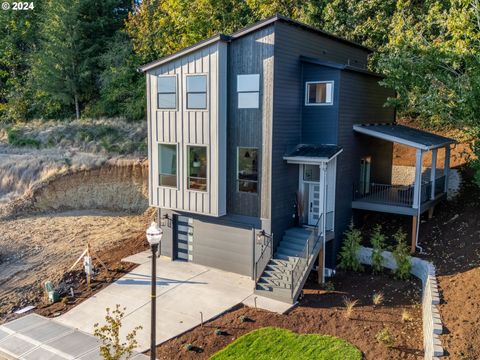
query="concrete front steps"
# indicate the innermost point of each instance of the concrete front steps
(276, 280)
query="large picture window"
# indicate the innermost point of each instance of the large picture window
(197, 168)
(167, 158)
(247, 173)
(197, 92)
(167, 92)
(319, 93)
(248, 88)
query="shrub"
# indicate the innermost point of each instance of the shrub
(188, 347)
(406, 317)
(328, 286)
(350, 248)
(378, 244)
(385, 337)
(244, 318)
(218, 332)
(113, 348)
(402, 256)
(16, 138)
(377, 298)
(349, 305)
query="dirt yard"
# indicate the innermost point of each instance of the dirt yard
(40, 247)
(323, 312)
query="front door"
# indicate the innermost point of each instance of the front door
(365, 164)
(313, 203)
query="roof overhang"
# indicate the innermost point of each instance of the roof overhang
(195, 47)
(334, 65)
(404, 135)
(313, 154)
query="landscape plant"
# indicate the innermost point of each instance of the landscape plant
(402, 256)
(377, 298)
(406, 317)
(113, 348)
(378, 246)
(385, 337)
(349, 305)
(350, 248)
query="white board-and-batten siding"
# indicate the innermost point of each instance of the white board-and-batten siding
(191, 127)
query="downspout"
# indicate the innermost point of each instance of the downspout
(324, 220)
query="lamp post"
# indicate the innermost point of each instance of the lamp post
(154, 235)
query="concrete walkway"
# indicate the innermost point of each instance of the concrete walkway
(184, 292)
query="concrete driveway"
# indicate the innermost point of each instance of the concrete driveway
(184, 290)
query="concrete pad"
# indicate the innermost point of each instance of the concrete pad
(139, 258)
(265, 303)
(73, 344)
(43, 354)
(46, 332)
(25, 322)
(15, 346)
(183, 291)
(3, 334)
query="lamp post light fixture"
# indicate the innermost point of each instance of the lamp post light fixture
(154, 236)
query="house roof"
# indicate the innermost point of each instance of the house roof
(339, 66)
(245, 31)
(404, 135)
(311, 153)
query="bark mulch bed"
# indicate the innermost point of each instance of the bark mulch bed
(76, 279)
(323, 312)
(451, 240)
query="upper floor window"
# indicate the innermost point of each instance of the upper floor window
(248, 88)
(197, 92)
(319, 93)
(167, 92)
(167, 165)
(197, 168)
(247, 170)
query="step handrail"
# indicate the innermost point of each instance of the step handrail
(303, 260)
(264, 258)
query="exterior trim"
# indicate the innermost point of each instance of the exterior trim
(309, 160)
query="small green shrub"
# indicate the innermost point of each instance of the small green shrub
(218, 332)
(385, 337)
(328, 286)
(350, 248)
(378, 244)
(244, 318)
(16, 138)
(402, 256)
(112, 347)
(188, 347)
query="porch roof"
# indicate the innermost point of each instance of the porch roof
(404, 135)
(311, 153)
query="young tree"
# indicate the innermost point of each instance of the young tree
(402, 256)
(378, 244)
(349, 251)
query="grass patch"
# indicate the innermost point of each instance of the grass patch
(16, 138)
(274, 343)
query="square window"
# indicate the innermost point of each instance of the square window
(248, 89)
(167, 165)
(196, 91)
(167, 92)
(319, 93)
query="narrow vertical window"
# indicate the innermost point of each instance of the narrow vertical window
(248, 88)
(319, 93)
(197, 92)
(167, 92)
(197, 168)
(167, 165)
(247, 173)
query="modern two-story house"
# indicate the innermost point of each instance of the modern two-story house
(261, 144)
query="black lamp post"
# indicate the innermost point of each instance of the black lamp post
(154, 236)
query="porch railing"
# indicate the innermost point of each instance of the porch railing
(265, 256)
(303, 262)
(401, 195)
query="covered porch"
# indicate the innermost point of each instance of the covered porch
(429, 186)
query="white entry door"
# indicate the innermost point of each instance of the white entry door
(313, 203)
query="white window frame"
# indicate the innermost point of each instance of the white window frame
(238, 168)
(187, 166)
(319, 82)
(176, 92)
(158, 162)
(248, 91)
(186, 92)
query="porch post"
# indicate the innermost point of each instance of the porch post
(323, 177)
(433, 173)
(446, 166)
(418, 179)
